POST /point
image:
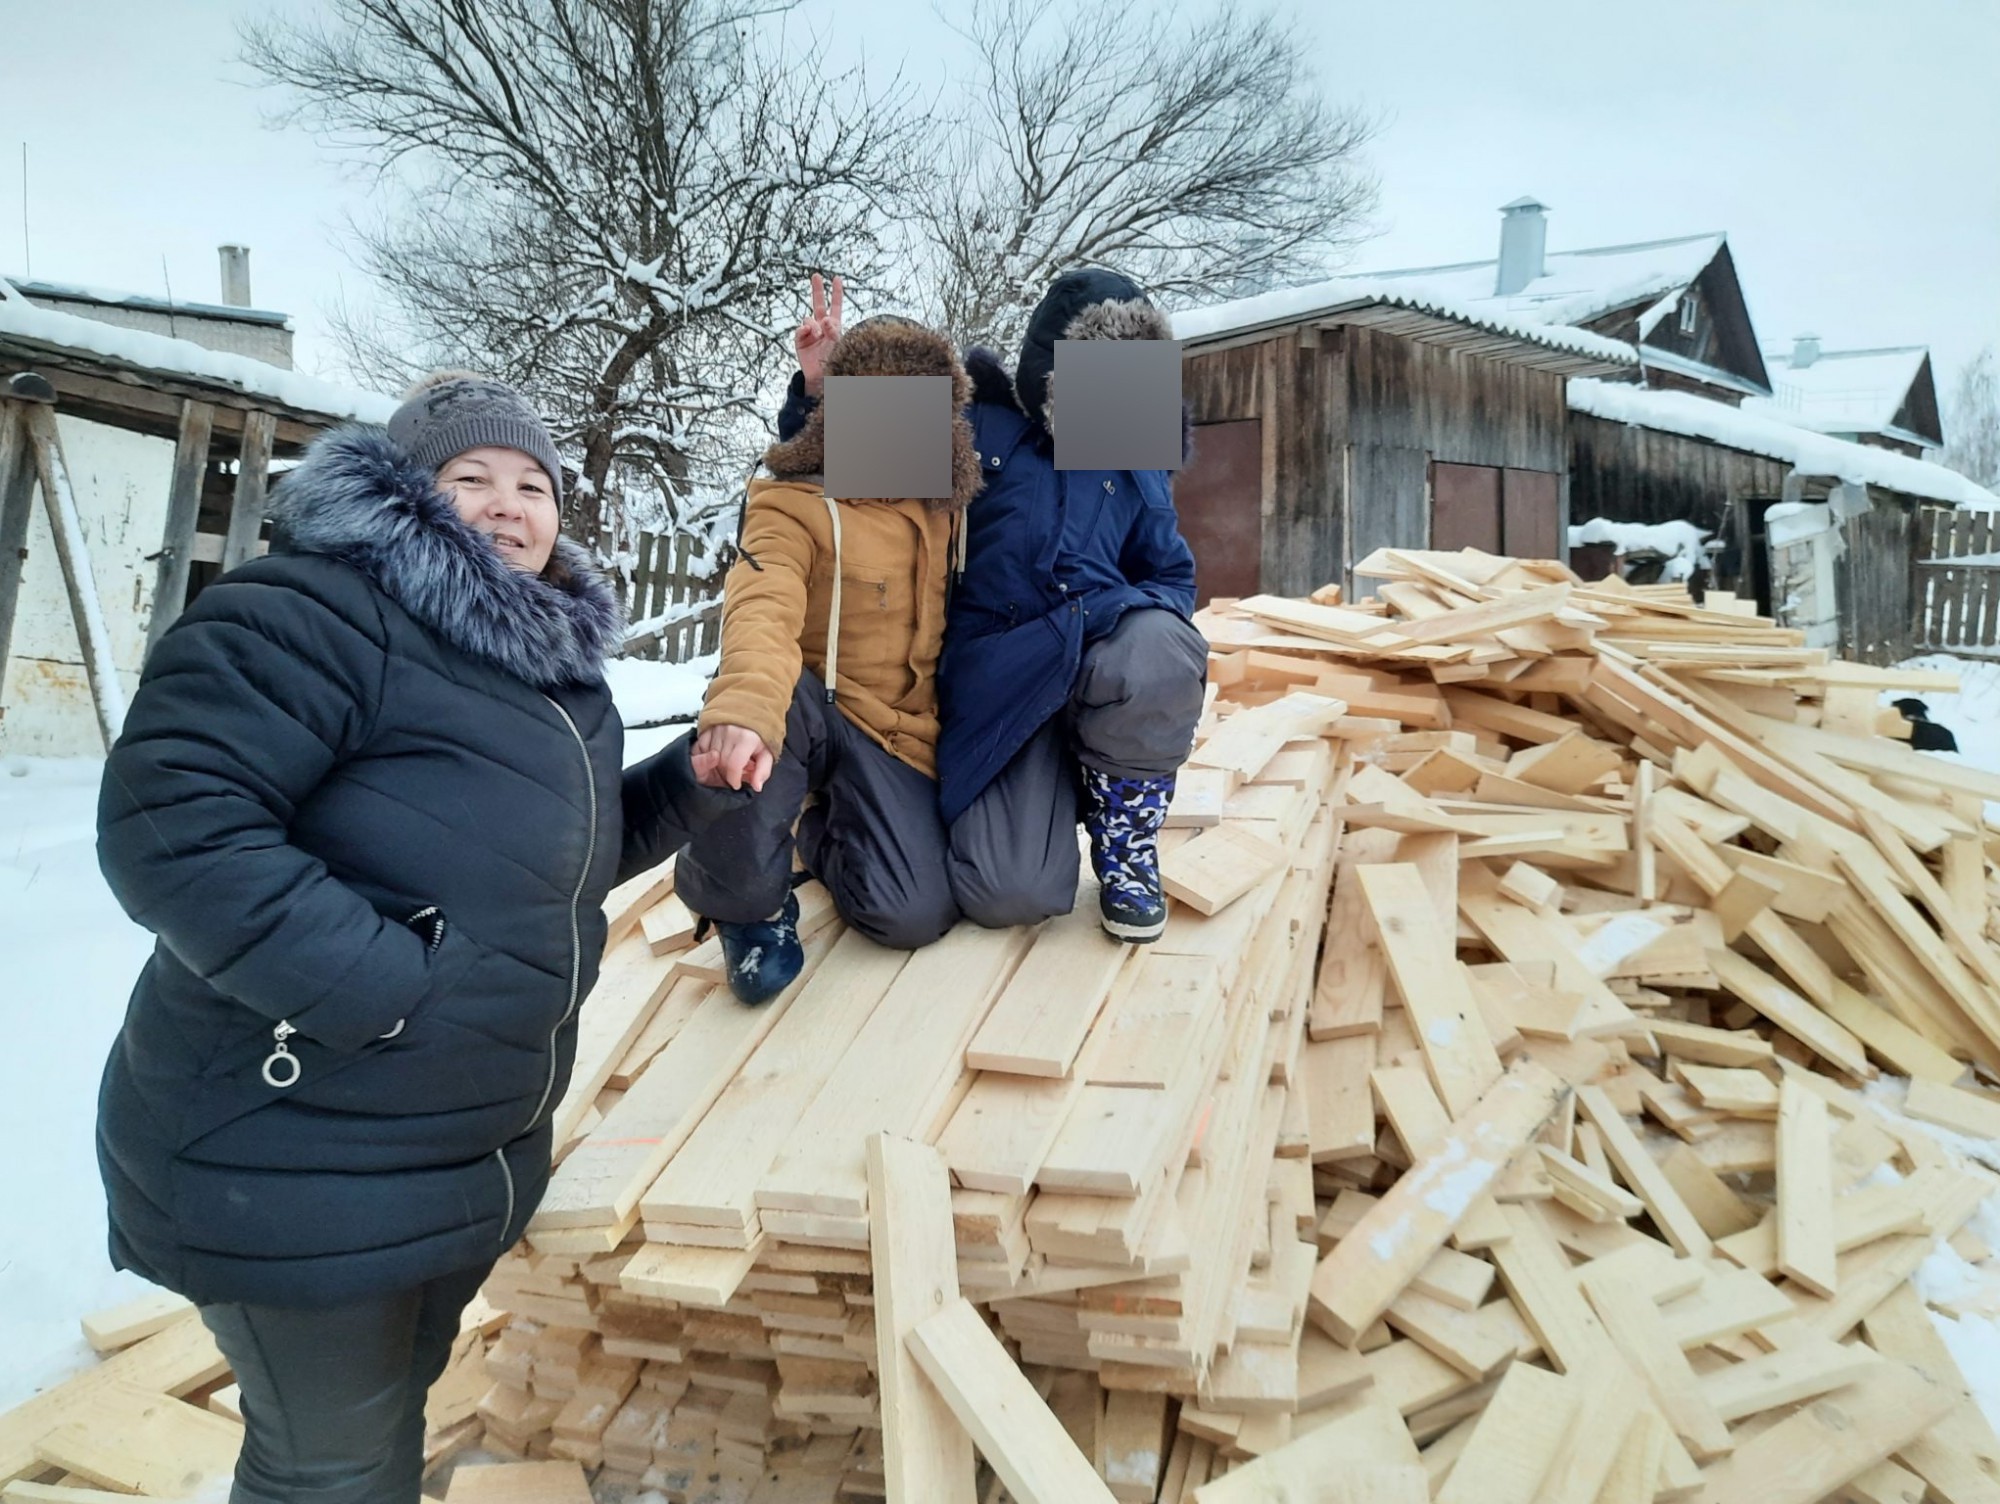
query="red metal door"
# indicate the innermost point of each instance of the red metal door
(1465, 507)
(1220, 501)
(1531, 515)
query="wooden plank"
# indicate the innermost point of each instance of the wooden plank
(170, 581)
(552, 1482)
(1421, 954)
(923, 1023)
(1785, 1377)
(1790, 1012)
(1642, 1174)
(602, 1179)
(1340, 1112)
(175, 1361)
(630, 988)
(1132, 1444)
(712, 1178)
(1042, 1017)
(998, 1136)
(1805, 1190)
(1199, 795)
(122, 1325)
(1365, 1443)
(1951, 1107)
(1353, 975)
(1817, 1450)
(1163, 1008)
(1609, 1399)
(1219, 866)
(246, 503)
(705, 1277)
(925, 1453)
(1249, 739)
(1013, 1429)
(1366, 1271)
(1515, 1441)
(1637, 1329)
(138, 1442)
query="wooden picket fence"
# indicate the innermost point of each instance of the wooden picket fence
(662, 581)
(1958, 580)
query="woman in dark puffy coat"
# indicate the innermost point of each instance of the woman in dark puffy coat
(369, 798)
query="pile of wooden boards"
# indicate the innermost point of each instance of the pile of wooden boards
(1512, 1110)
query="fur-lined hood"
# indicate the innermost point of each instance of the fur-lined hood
(1090, 303)
(887, 346)
(358, 497)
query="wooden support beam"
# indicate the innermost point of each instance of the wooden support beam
(17, 502)
(246, 507)
(170, 582)
(73, 554)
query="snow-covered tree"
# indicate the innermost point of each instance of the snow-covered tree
(1972, 420)
(1195, 154)
(614, 204)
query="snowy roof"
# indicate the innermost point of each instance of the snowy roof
(1845, 391)
(1806, 452)
(1412, 312)
(1575, 286)
(107, 297)
(31, 330)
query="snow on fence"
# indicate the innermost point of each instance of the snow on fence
(675, 612)
(1958, 580)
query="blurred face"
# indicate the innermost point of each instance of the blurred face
(506, 495)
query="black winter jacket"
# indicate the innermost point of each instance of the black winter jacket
(369, 798)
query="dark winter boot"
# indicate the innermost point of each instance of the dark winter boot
(764, 955)
(1123, 817)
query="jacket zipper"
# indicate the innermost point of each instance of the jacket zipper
(575, 898)
(507, 1174)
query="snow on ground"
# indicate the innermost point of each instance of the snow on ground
(71, 958)
(1972, 714)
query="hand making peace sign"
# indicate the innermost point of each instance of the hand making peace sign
(816, 335)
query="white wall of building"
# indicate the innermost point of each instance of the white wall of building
(121, 481)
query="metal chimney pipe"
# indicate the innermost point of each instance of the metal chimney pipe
(235, 275)
(1805, 350)
(1524, 232)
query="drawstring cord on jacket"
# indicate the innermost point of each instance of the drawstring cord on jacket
(833, 615)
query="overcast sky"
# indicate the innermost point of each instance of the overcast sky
(1850, 148)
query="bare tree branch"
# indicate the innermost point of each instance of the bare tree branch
(1972, 421)
(1195, 155)
(613, 204)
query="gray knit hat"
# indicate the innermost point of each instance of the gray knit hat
(454, 411)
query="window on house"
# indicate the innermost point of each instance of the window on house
(1690, 313)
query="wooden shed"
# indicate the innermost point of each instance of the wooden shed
(1338, 418)
(1649, 456)
(165, 447)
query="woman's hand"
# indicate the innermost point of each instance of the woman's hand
(731, 757)
(816, 335)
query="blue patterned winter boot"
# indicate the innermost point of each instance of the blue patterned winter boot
(1123, 817)
(763, 956)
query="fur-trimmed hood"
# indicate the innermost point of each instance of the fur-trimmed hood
(888, 346)
(1090, 303)
(358, 497)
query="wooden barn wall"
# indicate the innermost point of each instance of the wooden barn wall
(1413, 403)
(1298, 396)
(1362, 416)
(1876, 578)
(1628, 474)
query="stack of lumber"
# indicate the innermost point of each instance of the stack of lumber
(1554, 1071)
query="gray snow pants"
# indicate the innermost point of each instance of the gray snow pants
(874, 838)
(333, 1399)
(1014, 857)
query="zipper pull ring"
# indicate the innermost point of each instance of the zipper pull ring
(281, 1066)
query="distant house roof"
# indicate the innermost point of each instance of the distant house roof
(1625, 291)
(38, 291)
(1888, 391)
(1414, 313)
(1758, 433)
(31, 334)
